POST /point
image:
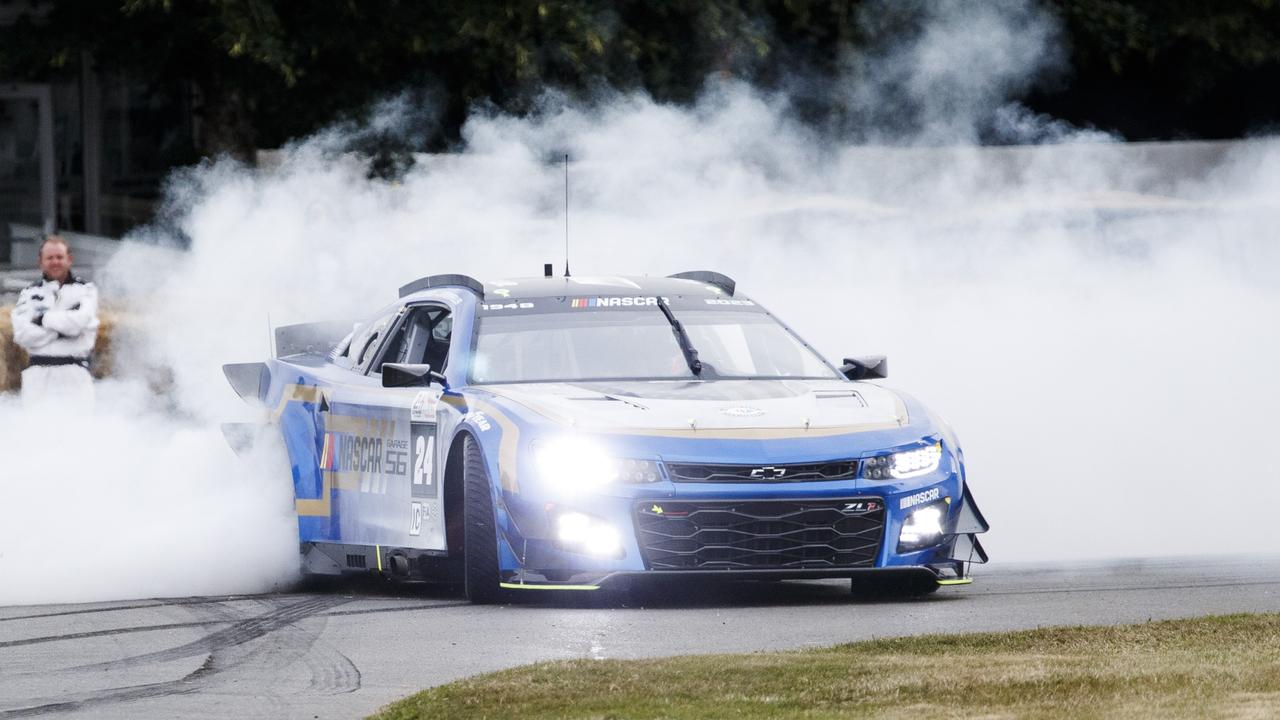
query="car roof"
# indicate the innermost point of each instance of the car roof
(601, 286)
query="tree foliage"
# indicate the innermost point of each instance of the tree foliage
(265, 71)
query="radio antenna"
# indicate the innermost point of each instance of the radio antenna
(566, 214)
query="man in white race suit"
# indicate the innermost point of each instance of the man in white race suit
(56, 322)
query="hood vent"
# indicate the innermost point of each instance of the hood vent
(612, 398)
(839, 395)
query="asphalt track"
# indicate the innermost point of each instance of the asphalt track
(345, 651)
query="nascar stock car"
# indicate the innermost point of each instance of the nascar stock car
(577, 433)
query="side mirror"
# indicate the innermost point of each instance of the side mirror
(400, 375)
(865, 368)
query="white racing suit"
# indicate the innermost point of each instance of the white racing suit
(57, 324)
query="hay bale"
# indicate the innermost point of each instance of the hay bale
(13, 359)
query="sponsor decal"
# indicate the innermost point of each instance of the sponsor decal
(742, 411)
(424, 406)
(507, 306)
(415, 522)
(372, 457)
(920, 497)
(768, 472)
(481, 421)
(726, 301)
(502, 292)
(614, 302)
(861, 506)
(348, 452)
(419, 512)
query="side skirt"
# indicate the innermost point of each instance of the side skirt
(330, 559)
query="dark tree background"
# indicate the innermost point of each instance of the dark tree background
(265, 72)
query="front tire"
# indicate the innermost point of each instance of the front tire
(479, 536)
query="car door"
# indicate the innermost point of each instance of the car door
(381, 443)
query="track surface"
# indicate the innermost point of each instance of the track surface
(343, 653)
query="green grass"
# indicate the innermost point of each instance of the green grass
(1217, 667)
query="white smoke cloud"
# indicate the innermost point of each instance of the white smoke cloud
(1093, 318)
(129, 502)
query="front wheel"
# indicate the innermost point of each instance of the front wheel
(479, 536)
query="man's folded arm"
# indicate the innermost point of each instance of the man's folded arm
(73, 322)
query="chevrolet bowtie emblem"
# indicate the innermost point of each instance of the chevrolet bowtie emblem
(768, 472)
(656, 510)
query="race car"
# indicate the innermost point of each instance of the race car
(574, 433)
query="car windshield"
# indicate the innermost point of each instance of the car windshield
(637, 344)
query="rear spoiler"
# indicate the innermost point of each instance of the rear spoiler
(724, 282)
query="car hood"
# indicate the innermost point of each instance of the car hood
(683, 407)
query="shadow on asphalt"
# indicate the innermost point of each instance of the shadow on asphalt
(687, 593)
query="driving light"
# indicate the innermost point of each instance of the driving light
(579, 532)
(905, 464)
(578, 462)
(922, 528)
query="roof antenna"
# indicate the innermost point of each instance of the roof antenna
(566, 214)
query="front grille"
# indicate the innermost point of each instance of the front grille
(760, 534)
(793, 472)
(355, 561)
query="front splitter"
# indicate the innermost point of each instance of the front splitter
(618, 580)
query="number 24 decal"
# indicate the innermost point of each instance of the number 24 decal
(424, 451)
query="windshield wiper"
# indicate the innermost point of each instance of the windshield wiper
(690, 355)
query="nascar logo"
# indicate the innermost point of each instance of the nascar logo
(920, 497)
(346, 452)
(613, 302)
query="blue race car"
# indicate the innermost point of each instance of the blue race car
(573, 433)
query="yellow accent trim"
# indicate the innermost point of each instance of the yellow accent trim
(750, 433)
(378, 549)
(956, 581)
(530, 586)
(296, 393)
(317, 507)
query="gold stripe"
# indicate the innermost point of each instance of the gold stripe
(750, 433)
(956, 581)
(523, 586)
(344, 479)
(296, 393)
(378, 549)
(319, 507)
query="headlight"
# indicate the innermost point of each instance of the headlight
(578, 462)
(905, 464)
(923, 528)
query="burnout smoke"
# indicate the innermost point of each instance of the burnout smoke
(1095, 319)
(130, 502)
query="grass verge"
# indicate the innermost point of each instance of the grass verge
(1215, 667)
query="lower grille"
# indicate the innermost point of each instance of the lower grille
(760, 534)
